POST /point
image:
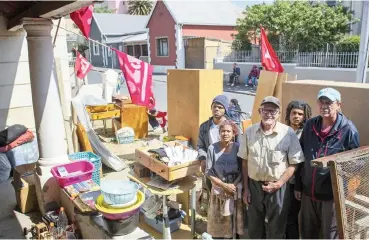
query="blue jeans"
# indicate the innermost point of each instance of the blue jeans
(254, 81)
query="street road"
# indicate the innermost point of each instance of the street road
(160, 94)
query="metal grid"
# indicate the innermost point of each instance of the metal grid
(352, 173)
(350, 180)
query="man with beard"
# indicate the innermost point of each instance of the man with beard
(327, 134)
(297, 113)
(271, 152)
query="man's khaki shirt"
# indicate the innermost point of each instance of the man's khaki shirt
(270, 155)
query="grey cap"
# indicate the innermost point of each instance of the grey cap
(271, 99)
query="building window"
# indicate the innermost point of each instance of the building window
(144, 50)
(137, 51)
(120, 48)
(162, 47)
(130, 50)
(109, 52)
(96, 48)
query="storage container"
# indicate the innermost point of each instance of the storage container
(122, 226)
(118, 191)
(91, 157)
(77, 172)
(160, 168)
(158, 224)
(125, 135)
(119, 213)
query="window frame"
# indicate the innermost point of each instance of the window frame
(157, 41)
(96, 47)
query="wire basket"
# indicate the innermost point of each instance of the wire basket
(91, 157)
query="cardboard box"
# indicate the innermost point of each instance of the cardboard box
(168, 173)
(24, 187)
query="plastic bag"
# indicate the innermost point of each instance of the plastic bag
(5, 168)
(108, 158)
(24, 154)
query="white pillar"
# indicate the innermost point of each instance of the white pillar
(45, 96)
(364, 45)
(47, 110)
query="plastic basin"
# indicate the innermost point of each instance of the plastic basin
(77, 172)
(119, 213)
(118, 191)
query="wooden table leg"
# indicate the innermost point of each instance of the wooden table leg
(184, 200)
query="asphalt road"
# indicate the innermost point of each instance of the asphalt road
(160, 94)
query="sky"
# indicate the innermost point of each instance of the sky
(242, 4)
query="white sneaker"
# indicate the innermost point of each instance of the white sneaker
(246, 85)
(232, 85)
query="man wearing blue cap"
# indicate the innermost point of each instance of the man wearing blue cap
(327, 134)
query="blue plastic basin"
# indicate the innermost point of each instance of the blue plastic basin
(118, 191)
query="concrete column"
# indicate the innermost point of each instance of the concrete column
(47, 110)
(45, 95)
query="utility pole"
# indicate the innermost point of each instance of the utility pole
(364, 44)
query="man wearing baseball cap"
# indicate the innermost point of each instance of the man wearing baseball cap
(271, 152)
(329, 133)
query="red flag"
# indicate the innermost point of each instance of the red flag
(268, 56)
(82, 18)
(82, 66)
(138, 75)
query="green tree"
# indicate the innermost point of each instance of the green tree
(289, 24)
(103, 10)
(140, 7)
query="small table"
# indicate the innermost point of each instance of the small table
(182, 193)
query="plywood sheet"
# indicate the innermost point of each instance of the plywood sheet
(278, 92)
(136, 117)
(266, 87)
(355, 100)
(189, 97)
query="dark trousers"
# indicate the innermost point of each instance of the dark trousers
(292, 228)
(233, 78)
(267, 212)
(318, 219)
(153, 121)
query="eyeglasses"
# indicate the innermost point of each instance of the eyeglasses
(270, 111)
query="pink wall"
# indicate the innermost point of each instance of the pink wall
(217, 32)
(161, 24)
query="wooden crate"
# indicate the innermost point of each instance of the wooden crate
(168, 173)
(189, 97)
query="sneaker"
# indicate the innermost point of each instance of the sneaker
(232, 85)
(246, 85)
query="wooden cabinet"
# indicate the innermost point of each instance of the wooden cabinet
(189, 96)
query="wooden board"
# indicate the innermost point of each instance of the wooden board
(355, 100)
(278, 92)
(136, 117)
(83, 139)
(266, 87)
(105, 115)
(189, 96)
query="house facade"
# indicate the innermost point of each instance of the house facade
(123, 32)
(172, 22)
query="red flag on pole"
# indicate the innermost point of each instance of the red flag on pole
(138, 75)
(82, 66)
(82, 18)
(268, 56)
